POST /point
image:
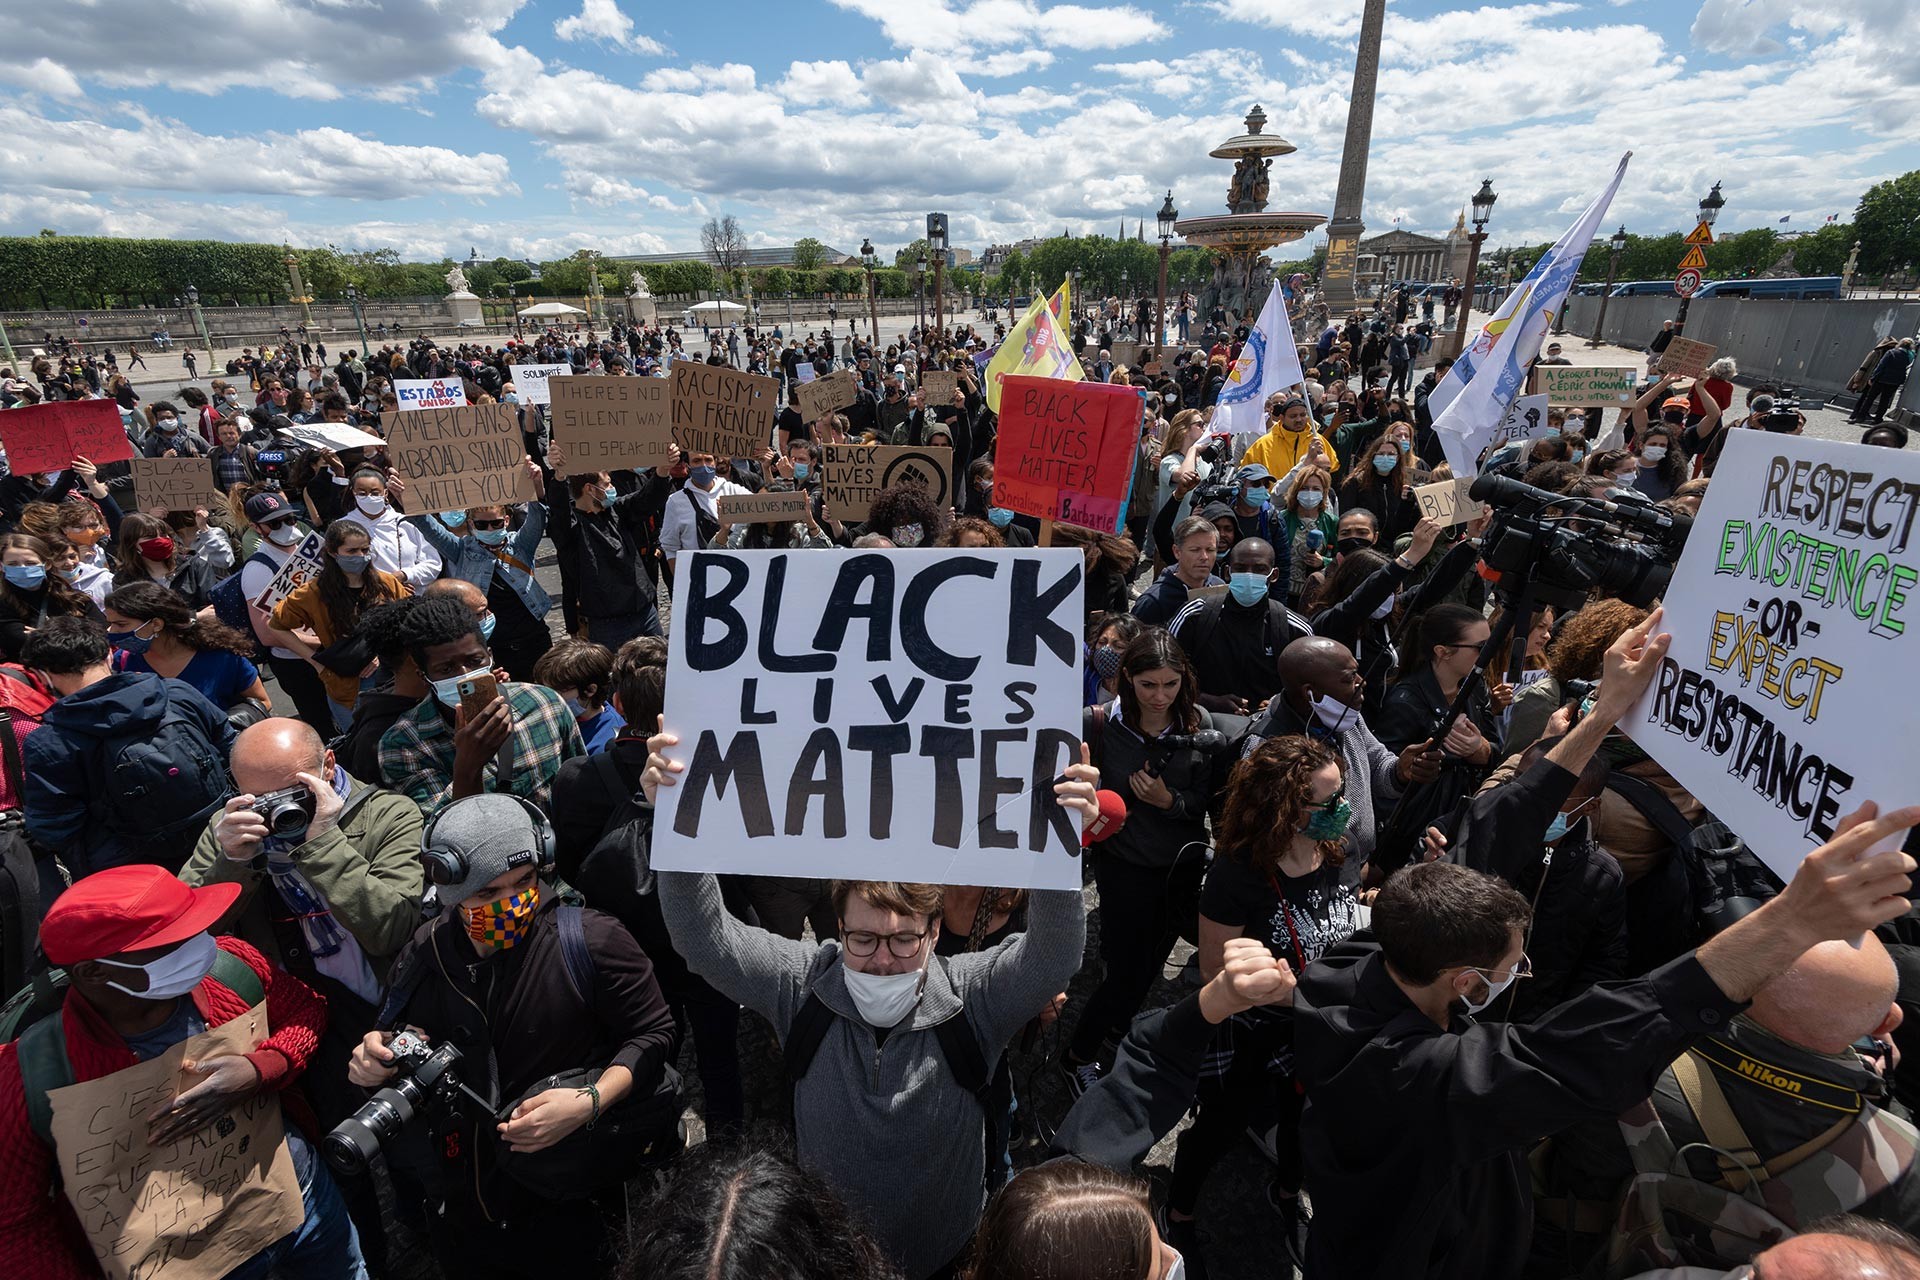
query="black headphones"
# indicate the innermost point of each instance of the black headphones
(450, 866)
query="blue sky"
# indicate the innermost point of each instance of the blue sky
(536, 127)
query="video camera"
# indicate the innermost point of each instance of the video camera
(426, 1082)
(1785, 417)
(1160, 750)
(1564, 546)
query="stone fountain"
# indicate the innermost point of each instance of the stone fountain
(1238, 238)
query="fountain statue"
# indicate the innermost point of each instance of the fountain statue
(1241, 236)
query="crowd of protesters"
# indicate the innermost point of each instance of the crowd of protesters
(1460, 952)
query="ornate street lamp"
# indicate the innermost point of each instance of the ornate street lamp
(1167, 216)
(1710, 208)
(1482, 203)
(1619, 246)
(869, 259)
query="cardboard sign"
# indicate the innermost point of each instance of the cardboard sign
(1447, 502)
(874, 715)
(1685, 358)
(722, 411)
(175, 484)
(610, 424)
(1791, 615)
(437, 393)
(454, 459)
(779, 507)
(190, 1210)
(48, 437)
(302, 567)
(939, 384)
(332, 435)
(852, 476)
(1586, 387)
(1526, 420)
(816, 399)
(530, 380)
(1066, 450)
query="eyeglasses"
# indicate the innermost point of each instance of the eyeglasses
(1524, 969)
(862, 943)
(1332, 802)
(490, 524)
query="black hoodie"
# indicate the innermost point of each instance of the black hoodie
(1415, 1137)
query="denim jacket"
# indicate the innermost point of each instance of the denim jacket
(470, 560)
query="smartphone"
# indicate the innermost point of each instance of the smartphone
(477, 694)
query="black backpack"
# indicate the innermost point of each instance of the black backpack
(617, 869)
(230, 603)
(159, 784)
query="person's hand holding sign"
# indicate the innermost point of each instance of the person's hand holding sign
(230, 1079)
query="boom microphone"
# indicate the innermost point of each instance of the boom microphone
(1113, 816)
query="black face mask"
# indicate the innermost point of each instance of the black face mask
(1347, 546)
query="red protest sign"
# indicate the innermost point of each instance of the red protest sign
(1066, 450)
(48, 437)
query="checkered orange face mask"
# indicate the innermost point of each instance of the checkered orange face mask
(503, 922)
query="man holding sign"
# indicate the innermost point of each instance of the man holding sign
(146, 974)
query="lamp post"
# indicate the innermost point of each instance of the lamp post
(937, 246)
(353, 300)
(200, 320)
(1482, 210)
(1386, 275)
(1619, 246)
(868, 259)
(297, 290)
(1166, 218)
(1710, 209)
(920, 289)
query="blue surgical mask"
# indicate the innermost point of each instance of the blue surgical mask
(131, 643)
(700, 476)
(29, 576)
(490, 537)
(999, 517)
(800, 470)
(448, 691)
(1384, 463)
(1557, 828)
(454, 518)
(1248, 588)
(1256, 496)
(486, 625)
(1577, 454)
(1406, 446)
(1309, 498)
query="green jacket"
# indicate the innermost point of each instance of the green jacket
(367, 868)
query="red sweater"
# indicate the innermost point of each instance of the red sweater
(42, 1245)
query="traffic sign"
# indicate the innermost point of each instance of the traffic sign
(1687, 283)
(1694, 259)
(1702, 234)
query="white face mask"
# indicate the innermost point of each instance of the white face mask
(1332, 714)
(175, 973)
(883, 999)
(1476, 1007)
(284, 535)
(1386, 607)
(1653, 453)
(372, 504)
(1178, 1271)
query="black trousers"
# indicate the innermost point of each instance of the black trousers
(1142, 910)
(301, 683)
(1248, 1092)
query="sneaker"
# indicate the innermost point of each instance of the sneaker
(1295, 1221)
(1081, 1077)
(1184, 1237)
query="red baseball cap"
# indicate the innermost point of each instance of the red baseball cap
(129, 908)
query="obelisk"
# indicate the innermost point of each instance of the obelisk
(1344, 228)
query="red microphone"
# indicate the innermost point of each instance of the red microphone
(1113, 816)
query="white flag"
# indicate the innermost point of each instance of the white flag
(1477, 392)
(1268, 362)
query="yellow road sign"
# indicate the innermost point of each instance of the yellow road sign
(1695, 259)
(1702, 234)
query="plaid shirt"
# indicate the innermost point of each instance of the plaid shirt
(416, 755)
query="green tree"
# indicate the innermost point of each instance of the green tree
(1824, 253)
(1888, 224)
(510, 270)
(808, 254)
(905, 258)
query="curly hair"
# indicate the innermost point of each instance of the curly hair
(904, 504)
(970, 525)
(1672, 467)
(1554, 477)
(1270, 797)
(146, 601)
(1576, 653)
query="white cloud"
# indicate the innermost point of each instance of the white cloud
(1323, 20)
(42, 75)
(920, 82)
(954, 26)
(1739, 27)
(602, 20)
(812, 83)
(164, 155)
(1011, 63)
(734, 77)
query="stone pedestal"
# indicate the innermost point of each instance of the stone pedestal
(642, 310)
(464, 308)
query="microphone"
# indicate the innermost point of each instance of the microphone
(1113, 816)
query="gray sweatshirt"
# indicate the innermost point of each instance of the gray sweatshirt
(886, 1123)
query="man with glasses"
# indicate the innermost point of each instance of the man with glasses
(889, 1045)
(1415, 1105)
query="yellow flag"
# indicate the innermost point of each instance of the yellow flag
(1060, 304)
(1037, 347)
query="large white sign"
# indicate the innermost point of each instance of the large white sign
(875, 715)
(331, 435)
(425, 393)
(1783, 704)
(1526, 420)
(530, 380)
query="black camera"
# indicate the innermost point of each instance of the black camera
(286, 812)
(426, 1082)
(271, 465)
(1565, 546)
(1160, 750)
(1785, 416)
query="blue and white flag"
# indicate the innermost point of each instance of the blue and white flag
(1477, 392)
(1268, 362)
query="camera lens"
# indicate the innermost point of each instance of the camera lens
(287, 819)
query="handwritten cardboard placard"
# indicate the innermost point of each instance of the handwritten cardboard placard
(777, 507)
(1586, 386)
(1447, 502)
(814, 400)
(456, 459)
(530, 380)
(190, 1210)
(429, 393)
(852, 476)
(1686, 358)
(302, 567)
(939, 384)
(610, 424)
(1065, 450)
(48, 437)
(722, 411)
(175, 484)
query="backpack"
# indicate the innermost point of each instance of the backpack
(705, 525)
(1282, 625)
(32, 1019)
(230, 602)
(159, 784)
(617, 868)
(23, 706)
